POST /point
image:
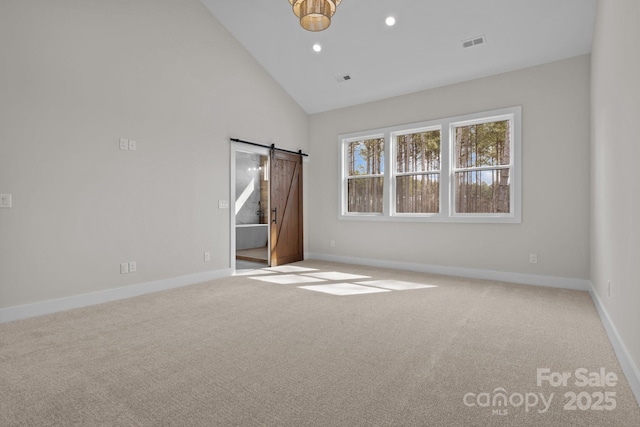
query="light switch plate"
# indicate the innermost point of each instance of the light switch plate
(124, 144)
(223, 204)
(132, 145)
(5, 200)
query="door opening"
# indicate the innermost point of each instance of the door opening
(266, 206)
(251, 208)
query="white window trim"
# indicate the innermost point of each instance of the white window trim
(446, 126)
(359, 136)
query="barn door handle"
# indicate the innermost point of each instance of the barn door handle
(275, 215)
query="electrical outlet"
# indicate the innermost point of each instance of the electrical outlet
(332, 243)
(133, 267)
(223, 204)
(5, 200)
(124, 267)
(533, 258)
(207, 256)
(132, 145)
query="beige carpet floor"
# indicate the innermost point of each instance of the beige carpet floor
(247, 352)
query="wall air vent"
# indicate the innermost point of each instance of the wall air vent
(473, 42)
(343, 78)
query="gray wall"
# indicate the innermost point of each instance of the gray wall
(615, 144)
(555, 153)
(76, 76)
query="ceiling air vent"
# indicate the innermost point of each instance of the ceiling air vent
(343, 78)
(473, 42)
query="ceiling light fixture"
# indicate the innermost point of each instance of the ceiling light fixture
(317, 47)
(390, 21)
(315, 15)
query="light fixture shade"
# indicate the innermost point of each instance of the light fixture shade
(336, 2)
(315, 15)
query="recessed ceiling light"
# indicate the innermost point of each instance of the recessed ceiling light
(317, 47)
(390, 21)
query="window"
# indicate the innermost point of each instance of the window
(482, 165)
(417, 171)
(365, 179)
(457, 169)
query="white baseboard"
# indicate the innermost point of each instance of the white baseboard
(502, 276)
(629, 368)
(77, 301)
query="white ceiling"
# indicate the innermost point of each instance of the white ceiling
(423, 50)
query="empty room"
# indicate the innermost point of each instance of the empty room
(319, 213)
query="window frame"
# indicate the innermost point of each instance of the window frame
(344, 145)
(395, 174)
(346, 176)
(447, 169)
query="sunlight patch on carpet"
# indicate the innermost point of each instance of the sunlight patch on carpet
(396, 285)
(343, 289)
(336, 275)
(290, 269)
(287, 279)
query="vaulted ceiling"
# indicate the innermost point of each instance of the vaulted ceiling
(421, 51)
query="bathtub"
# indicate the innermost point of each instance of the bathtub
(251, 236)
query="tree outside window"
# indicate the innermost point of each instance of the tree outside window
(482, 166)
(418, 172)
(365, 179)
(454, 169)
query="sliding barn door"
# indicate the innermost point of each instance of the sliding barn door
(286, 208)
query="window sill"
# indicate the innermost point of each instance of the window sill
(436, 218)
